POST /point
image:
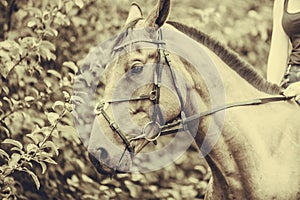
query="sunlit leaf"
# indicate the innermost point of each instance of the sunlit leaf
(74, 180)
(59, 3)
(31, 148)
(17, 149)
(3, 154)
(5, 89)
(50, 160)
(31, 24)
(69, 5)
(13, 142)
(52, 146)
(37, 134)
(54, 73)
(14, 159)
(67, 129)
(29, 99)
(67, 97)
(46, 54)
(5, 130)
(52, 117)
(8, 45)
(9, 101)
(33, 176)
(6, 68)
(47, 83)
(54, 133)
(48, 45)
(58, 107)
(43, 166)
(71, 65)
(51, 32)
(79, 3)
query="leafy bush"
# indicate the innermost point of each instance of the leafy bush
(42, 43)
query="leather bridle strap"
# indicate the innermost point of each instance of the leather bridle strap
(169, 128)
(157, 83)
(114, 126)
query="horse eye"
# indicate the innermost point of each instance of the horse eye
(136, 69)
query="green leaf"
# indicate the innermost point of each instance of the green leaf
(31, 24)
(5, 130)
(10, 102)
(17, 149)
(43, 165)
(58, 107)
(66, 95)
(5, 89)
(52, 117)
(48, 45)
(37, 134)
(13, 142)
(59, 4)
(14, 159)
(51, 32)
(87, 179)
(46, 54)
(71, 65)
(79, 3)
(33, 176)
(29, 99)
(6, 68)
(54, 73)
(31, 148)
(8, 45)
(69, 5)
(51, 145)
(50, 160)
(3, 154)
(67, 130)
(47, 83)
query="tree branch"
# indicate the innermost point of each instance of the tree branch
(9, 16)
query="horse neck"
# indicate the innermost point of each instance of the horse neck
(236, 88)
(243, 145)
(225, 85)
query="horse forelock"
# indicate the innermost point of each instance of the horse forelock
(231, 58)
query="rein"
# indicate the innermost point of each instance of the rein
(167, 129)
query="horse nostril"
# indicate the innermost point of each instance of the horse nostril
(103, 153)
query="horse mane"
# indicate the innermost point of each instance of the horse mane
(231, 58)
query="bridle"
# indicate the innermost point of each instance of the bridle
(178, 125)
(154, 96)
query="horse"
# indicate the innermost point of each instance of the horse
(246, 129)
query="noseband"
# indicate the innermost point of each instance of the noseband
(154, 96)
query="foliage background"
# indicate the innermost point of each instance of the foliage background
(42, 43)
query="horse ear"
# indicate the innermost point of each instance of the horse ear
(159, 14)
(135, 12)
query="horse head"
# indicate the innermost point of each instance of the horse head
(141, 93)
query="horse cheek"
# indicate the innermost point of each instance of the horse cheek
(170, 106)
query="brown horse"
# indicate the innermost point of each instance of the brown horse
(252, 147)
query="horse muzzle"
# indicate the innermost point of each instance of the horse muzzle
(109, 165)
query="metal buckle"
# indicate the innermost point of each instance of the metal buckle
(146, 136)
(153, 95)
